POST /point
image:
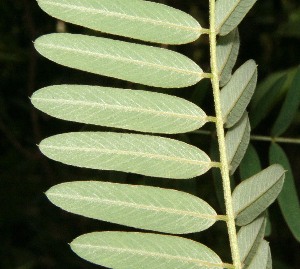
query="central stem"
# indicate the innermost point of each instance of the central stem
(221, 139)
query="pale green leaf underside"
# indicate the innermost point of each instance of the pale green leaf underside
(128, 109)
(249, 239)
(288, 198)
(255, 194)
(289, 108)
(262, 258)
(144, 207)
(229, 14)
(135, 18)
(227, 52)
(121, 250)
(141, 154)
(237, 139)
(133, 62)
(237, 93)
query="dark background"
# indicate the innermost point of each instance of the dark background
(33, 232)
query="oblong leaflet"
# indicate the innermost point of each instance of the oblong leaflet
(147, 65)
(128, 109)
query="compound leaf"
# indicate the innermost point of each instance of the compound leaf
(227, 52)
(230, 13)
(288, 199)
(141, 250)
(144, 207)
(289, 108)
(136, 19)
(237, 93)
(123, 60)
(237, 140)
(135, 153)
(128, 109)
(255, 194)
(249, 239)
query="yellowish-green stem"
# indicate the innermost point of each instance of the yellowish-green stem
(221, 140)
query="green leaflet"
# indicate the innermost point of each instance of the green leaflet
(289, 108)
(128, 109)
(135, 18)
(227, 52)
(144, 207)
(236, 140)
(123, 250)
(133, 62)
(237, 93)
(230, 13)
(249, 239)
(141, 154)
(288, 198)
(255, 194)
(262, 258)
(250, 164)
(261, 108)
(265, 85)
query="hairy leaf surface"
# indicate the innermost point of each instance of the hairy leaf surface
(249, 166)
(255, 194)
(128, 109)
(141, 154)
(289, 108)
(123, 60)
(141, 250)
(288, 199)
(144, 207)
(227, 52)
(262, 258)
(237, 93)
(249, 239)
(237, 139)
(229, 14)
(143, 20)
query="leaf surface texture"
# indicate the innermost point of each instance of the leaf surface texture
(138, 19)
(249, 239)
(261, 260)
(140, 250)
(230, 13)
(255, 194)
(137, 63)
(237, 93)
(144, 207)
(236, 140)
(128, 109)
(141, 154)
(227, 52)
